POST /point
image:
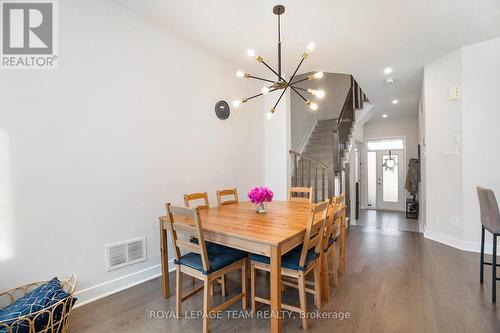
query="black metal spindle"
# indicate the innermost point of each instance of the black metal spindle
(309, 174)
(295, 169)
(316, 183)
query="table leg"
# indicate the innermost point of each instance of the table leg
(275, 289)
(342, 247)
(164, 260)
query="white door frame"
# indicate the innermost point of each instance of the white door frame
(402, 164)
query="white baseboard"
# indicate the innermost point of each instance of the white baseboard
(457, 243)
(94, 293)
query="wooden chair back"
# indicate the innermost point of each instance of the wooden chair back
(314, 236)
(339, 199)
(330, 220)
(335, 216)
(303, 190)
(197, 196)
(192, 230)
(228, 192)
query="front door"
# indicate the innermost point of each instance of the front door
(390, 187)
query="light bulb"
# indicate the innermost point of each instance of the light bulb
(240, 74)
(269, 115)
(317, 93)
(312, 106)
(384, 116)
(395, 101)
(310, 47)
(265, 90)
(388, 70)
(318, 75)
(251, 53)
(236, 103)
(320, 93)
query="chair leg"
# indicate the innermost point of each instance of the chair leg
(481, 271)
(193, 280)
(317, 285)
(325, 278)
(494, 271)
(334, 268)
(223, 285)
(303, 300)
(178, 292)
(244, 285)
(252, 287)
(206, 304)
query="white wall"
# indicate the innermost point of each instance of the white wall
(481, 135)
(91, 152)
(467, 127)
(277, 146)
(400, 127)
(443, 132)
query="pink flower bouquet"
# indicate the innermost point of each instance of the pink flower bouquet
(260, 196)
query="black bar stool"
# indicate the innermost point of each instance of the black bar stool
(490, 220)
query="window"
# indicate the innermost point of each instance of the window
(385, 144)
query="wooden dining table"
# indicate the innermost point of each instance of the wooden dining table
(271, 234)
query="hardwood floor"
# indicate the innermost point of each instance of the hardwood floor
(386, 220)
(395, 281)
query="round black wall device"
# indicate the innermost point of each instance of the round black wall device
(222, 110)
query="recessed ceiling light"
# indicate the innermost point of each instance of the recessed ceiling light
(395, 101)
(389, 80)
(388, 70)
(384, 116)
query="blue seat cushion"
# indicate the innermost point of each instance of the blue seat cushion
(219, 256)
(40, 298)
(331, 240)
(290, 259)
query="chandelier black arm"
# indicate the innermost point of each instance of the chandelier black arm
(296, 69)
(272, 70)
(301, 80)
(255, 96)
(305, 90)
(261, 79)
(305, 99)
(279, 99)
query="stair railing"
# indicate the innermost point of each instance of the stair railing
(305, 169)
(345, 122)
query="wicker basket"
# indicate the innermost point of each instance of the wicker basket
(56, 316)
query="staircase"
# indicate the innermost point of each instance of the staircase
(323, 161)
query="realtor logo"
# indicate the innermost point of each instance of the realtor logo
(28, 39)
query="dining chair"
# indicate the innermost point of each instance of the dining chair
(224, 193)
(204, 261)
(340, 200)
(197, 196)
(490, 220)
(297, 264)
(335, 215)
(300, 190)
(203, 196)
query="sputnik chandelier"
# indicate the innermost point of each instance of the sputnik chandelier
(281, 83)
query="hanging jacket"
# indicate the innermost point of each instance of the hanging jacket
(411, 184)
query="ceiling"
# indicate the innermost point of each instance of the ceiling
(360, 37)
